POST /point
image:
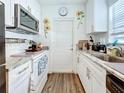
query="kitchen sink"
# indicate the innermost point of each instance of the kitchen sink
(108, 58)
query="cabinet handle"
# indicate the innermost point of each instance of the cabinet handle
(23, 70)
(88, 73)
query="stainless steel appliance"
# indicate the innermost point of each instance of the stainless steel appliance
(114, 85)
(2, 49)
(24, 21)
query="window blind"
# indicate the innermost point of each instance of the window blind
(117, 14)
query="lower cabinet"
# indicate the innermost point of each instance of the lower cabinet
(92, 76)
(19, 78)
(97, 87)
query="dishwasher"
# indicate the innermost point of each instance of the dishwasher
(114, 84)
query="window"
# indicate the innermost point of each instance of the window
(116, 29)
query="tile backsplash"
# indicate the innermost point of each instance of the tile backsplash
(13, 48)
(101, 37)
(15, 42)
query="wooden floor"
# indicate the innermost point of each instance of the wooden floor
(63, 83)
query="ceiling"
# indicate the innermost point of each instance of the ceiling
(61, 2)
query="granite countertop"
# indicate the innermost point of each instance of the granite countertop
(27, 54)
(116, 69)
(14, 62)
(18, 59)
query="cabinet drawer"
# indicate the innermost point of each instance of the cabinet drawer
(19, 72)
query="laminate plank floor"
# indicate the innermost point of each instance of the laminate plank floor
(63, 83)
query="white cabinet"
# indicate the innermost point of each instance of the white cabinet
(96, 16)
(98, 79)
(23, 3)
(84, 74)
(9, 19)
(82, 71)
(36, 11)
(19, 78)
(92, 76)
(97, 87)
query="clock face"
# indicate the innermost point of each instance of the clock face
(63, 11)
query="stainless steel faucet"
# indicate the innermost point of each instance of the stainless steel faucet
(120, 50)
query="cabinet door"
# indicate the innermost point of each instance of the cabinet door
(81, 70)
(96, 17)
(23, 3)
(97, 86)
(100, 16)
(89, 17)
(8, 20)
(85, 73)
(24, 85)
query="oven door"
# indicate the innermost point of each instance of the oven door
(37, 73)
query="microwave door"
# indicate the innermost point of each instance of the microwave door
(27, 21)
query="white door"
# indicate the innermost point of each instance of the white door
(62, 46)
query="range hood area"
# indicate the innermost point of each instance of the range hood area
(24, 21)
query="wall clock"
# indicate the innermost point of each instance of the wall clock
(63, 11)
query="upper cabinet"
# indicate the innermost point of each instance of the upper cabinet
(8, 18)
(96, 17)
(25, 3)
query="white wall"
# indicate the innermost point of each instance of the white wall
(51, 12)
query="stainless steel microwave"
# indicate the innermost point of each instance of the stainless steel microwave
(24, 21)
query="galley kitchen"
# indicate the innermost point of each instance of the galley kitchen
(61, 46)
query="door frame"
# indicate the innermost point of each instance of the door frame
(63, 19)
